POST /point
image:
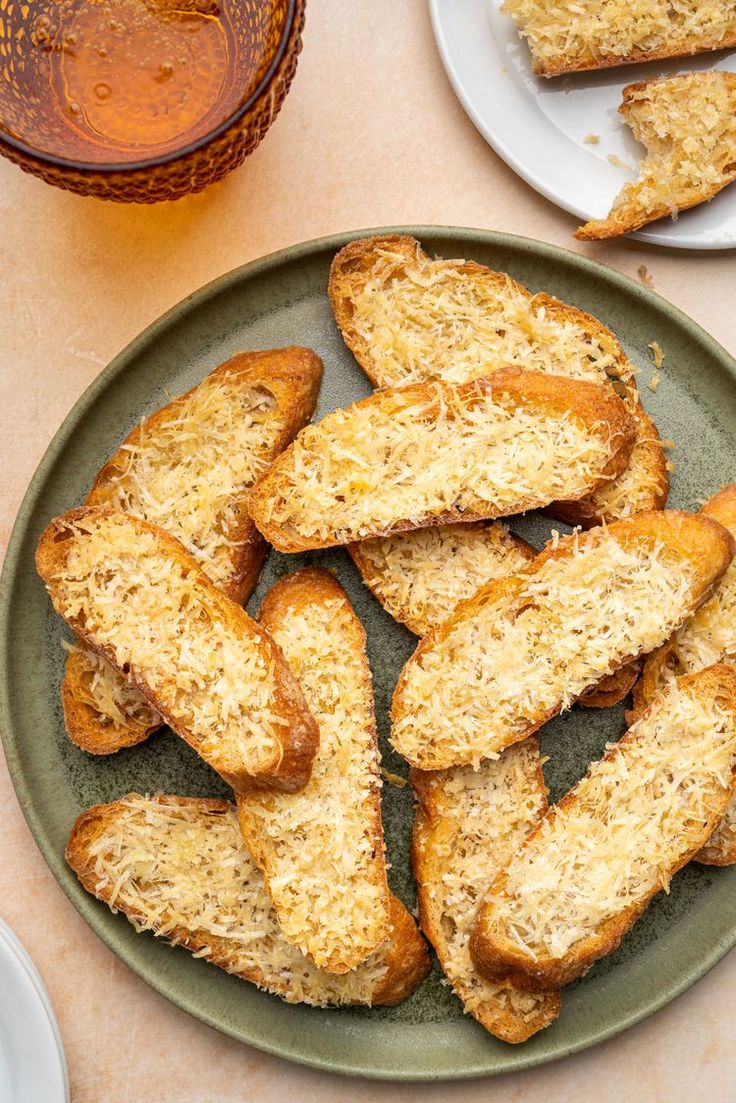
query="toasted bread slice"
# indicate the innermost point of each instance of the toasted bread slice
(178, 866)
(688, 124)
(525, 647)
(468, 826)
(189, 468)
(600, 34)
(437, 453)
(419, 577)
(587, 873)
(321, 850)
(708, 637)
(408, 318)
(138, 598)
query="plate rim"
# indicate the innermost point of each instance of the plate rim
(527, 173)
(26, 967)
(82, 902)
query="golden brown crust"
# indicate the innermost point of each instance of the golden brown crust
(721, 507)
(407, 959)
(602, 412)
(650, 455)
(691, 47)
(352, 267)
(353, 263)
(82, 719)
(296, 592)
(433, 832)
(611, 689)
(493, 960)
(293, 376)
(664, 663)
(406, 615)
(701, 541)
(630, 217)
(299, 742)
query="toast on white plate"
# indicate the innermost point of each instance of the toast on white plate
(708, 637)
(137, 597)
(587, 873)
(321, 850)
(178, 866)
(439, 453)
(188, 467)
(600, 34)
(527, 646)
(688, 125)
(408, 318)
(467, 827)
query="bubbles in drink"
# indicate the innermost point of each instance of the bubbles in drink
(138, 75)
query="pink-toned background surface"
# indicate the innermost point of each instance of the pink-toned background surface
(370, 135)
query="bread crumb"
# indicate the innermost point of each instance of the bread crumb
(671, 466)
(654, 382)
(616, 160)
(394, 779)
(644, 276)
(592, 139)
(657, 354)
(668, 444)
(504, 68)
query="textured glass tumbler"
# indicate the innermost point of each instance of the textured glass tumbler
(142, 100)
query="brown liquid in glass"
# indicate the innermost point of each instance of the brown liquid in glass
(132, 79)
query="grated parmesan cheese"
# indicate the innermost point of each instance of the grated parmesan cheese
(420, 576)
(623, 830)
(708, 637)
(688, 124)
(616, 161)
(657, 354)
(645, 276)
(121, 586)
(469, 826)
(432, 319)
(114, 700)
(188, 468)
(524, 648)
(321, 849)
(406, 456)
(410, 318)
(185, 873)
(567, 35)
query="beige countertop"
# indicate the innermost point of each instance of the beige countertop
(370, 135)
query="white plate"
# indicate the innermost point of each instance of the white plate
(32, 1065)
(538, 126)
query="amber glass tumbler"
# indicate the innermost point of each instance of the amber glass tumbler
(142, 100)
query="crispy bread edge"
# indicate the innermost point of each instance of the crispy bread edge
(304, 588)
(492, 959)
(499, 1021)
(293, 375)
(601, 410)
(684, 532)
(291, 769)
(407, 959)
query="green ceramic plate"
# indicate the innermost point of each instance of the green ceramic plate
(278, 301)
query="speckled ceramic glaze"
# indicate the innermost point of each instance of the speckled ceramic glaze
(279, 301)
